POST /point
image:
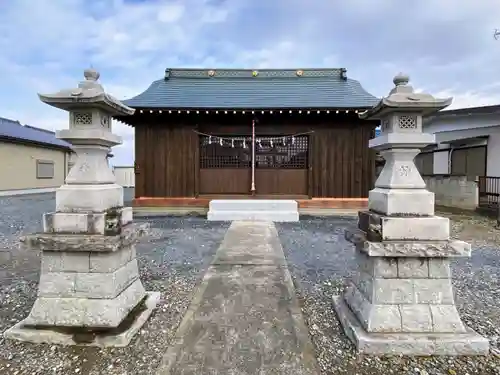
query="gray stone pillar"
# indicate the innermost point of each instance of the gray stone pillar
(89, 282)
(400, 299)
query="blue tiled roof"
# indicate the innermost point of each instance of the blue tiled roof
(198, 88)
(14, 131)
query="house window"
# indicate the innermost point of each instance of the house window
(469, 161)
(44, 169)
(425, 163)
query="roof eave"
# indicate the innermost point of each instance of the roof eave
(103, 101)
(35, 143)
(203, 108)
(385, 105)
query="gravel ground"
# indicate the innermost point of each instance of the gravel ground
(174, 257)
(319, 258)
(172, 260)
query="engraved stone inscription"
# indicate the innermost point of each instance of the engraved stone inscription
(404, 170)
(84, 167)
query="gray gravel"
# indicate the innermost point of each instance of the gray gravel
(319, 258)
(172, 260)
(174, 257)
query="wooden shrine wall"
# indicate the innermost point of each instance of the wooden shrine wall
(167, 154)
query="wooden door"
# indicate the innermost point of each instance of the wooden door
(225, 165)
(282, 165)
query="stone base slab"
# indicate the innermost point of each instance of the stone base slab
(106, 223)
(86, 312)
(88, 198)
(47, 336)
(279, 210)
(387, 228)
(394, 202)
(411, 344)
(415, 249)
(288, 216)
(64, 242)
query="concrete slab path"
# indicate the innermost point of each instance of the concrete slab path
(244, 317)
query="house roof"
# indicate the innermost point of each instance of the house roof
(483, 110)
(244, 88)
(14, 131)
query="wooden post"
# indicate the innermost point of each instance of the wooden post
(252, 187)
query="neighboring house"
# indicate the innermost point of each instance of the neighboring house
(463, 167)
(467, 142)
(32, 160)
(125, 175)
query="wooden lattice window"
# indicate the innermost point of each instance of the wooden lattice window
(44, 169)
(231, 152)
(274, 152)
(282, 152)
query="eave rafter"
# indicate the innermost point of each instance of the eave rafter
(226, 111)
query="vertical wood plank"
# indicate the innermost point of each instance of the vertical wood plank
(310, 161)
(340, 163)
(140, 160)
(195, 142)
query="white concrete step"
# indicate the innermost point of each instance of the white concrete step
(279, 210)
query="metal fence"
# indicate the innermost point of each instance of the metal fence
(489, 192)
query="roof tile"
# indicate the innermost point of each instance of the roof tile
(198, 88)
(14, 130)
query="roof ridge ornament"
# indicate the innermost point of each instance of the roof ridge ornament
(91, 74)
(205, 73)
(401, 79)
(343, 73)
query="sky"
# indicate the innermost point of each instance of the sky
(445, 46)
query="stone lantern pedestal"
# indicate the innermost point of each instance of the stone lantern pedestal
(90, 291)
(400, 299)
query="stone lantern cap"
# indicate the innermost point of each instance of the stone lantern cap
(402, 98)
(89, 93)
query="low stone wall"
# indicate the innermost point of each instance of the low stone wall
(454, 191)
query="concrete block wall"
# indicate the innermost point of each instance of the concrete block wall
(454, 191)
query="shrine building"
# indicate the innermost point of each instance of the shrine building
(193, 137)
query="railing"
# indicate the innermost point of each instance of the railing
(489, 192)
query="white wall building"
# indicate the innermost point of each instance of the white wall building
(125, 176)
(468, 142)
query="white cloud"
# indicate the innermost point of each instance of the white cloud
(446, 46)
(469, 99)
(170, 13)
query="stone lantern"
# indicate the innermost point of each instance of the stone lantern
(400, 299)
(89, 290)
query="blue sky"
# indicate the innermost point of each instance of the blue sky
(446, 46)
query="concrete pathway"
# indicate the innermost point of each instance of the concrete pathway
(244, 317)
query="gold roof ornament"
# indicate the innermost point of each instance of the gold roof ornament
(255, 73)
(211, 73)
(299, 73)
